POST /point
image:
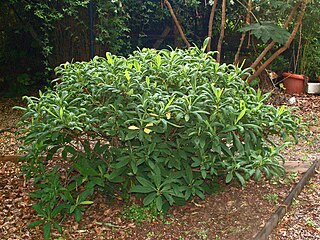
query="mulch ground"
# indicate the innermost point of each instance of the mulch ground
(231, 213)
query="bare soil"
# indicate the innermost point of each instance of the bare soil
(231, 213)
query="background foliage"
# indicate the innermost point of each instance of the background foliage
(52, 32)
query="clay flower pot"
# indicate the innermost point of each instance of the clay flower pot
(294, 83)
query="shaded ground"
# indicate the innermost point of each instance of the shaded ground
(232, 213)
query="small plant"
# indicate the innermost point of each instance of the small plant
(295, 203)
(310, 223)
(272, 198)
(312, 187)
(25, 79)
(291, 178)
(202, 234)
(287, 179)
(139, 214)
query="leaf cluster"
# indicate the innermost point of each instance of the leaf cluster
(266, 31)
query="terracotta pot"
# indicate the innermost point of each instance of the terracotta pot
(294, 83)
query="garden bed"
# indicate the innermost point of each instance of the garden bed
(232, 212)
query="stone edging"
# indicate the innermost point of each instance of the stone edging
(283, 208)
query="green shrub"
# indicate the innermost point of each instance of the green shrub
(158, 124)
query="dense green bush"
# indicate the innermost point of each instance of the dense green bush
(158, 124)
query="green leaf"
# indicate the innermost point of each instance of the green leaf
(86, 202)
(240, 178)
(257, 175)
(218, 92)
(58, 209)
(151, 148)
(61, 112)
(47, 231)
(72, 208)
(205, 44)
(169, 198)
(115, 175)
(226, 150)
(84, 167)
(229, 177)
(77, 214)
(229, 129)
(267, 30)
(149, 198)
(39, 209)
(238, 143)
(242, 113)
(189, 174)
(187, 194)
(134, 166)
(203, 173)
(145, 182)
(122, 163)
(98, 181)
(58, 227)
(35, 223)
(131, 135)
(169, 103)
(281, 110)
(142, 189)
(200, 194)
(157, 176)
(158, 60)
(127, 75)
(159, 203)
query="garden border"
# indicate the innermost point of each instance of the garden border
(273, 221)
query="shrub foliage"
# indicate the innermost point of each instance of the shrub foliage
(158, 124)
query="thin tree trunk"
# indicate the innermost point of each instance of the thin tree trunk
(223, 22)
(28, 26)
(271, 44)
(177, 23)
(248, 21)
(162, 37)
(285, 46)
(213, 9)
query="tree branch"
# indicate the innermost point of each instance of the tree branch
(176, 22)
(213, 9)
(271, 44)
(285, 46)
(248, 20)
(223, 22)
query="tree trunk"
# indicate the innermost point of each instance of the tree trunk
(213, 9)
(285, 46)
(162, 37)
(223, 22)
(271, 44)
(177, 23)
(248, 21)
(27, 26)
